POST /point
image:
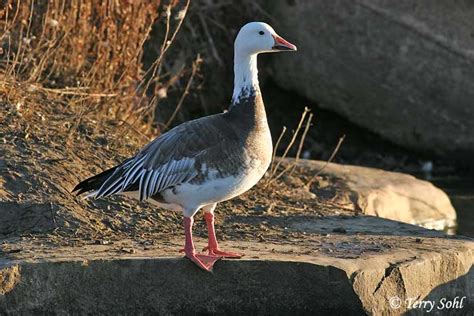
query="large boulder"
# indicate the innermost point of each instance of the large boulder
(393, 195)
(403, 69)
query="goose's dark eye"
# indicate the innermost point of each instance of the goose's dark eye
(261, 32)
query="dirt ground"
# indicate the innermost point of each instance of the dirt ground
(46, 150)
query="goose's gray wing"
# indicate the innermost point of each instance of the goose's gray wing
(174, 158)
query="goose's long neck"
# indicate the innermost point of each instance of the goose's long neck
(247, 103)
(245, 78)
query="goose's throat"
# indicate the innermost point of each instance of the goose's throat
(245, 78)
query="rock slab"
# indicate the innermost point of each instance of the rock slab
(312, 271)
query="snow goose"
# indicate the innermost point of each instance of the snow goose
(208, 160)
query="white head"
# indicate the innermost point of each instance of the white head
(253, 38)
(258, 37)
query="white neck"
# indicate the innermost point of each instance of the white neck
(245, 76)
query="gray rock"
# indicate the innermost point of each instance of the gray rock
(403, 69)
(356, 272)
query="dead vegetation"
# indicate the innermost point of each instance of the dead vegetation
(75, 99)
(89, 55)
(275, 171)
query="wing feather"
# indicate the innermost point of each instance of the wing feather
(171, 159)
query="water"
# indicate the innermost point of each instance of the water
(461, 192)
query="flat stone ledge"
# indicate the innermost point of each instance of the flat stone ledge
(174, 286)
(355, 271)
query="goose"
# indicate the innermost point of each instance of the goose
(205, 161)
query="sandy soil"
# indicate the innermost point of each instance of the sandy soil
(46, 150)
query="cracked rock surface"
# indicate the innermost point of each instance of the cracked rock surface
(339, 264)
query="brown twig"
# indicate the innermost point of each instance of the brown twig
(210, 39)
(341, 139)
(53, 217)
(290, 145)
(72, 91)
(277, 144)
(300, 146)
(145, 137)
(195, 68)
(27, 37)
(167, 45)
(291, 166)
(155, 66)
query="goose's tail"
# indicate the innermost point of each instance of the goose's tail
(94, 183)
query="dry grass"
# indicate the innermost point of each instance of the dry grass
(75, 100)
(317, 173)
(87, 54)
(276, 171)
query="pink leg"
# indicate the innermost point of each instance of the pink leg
(205, 262)
(212, 245)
